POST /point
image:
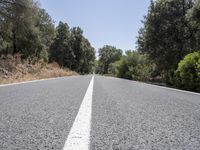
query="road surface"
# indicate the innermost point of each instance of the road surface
(98, 113)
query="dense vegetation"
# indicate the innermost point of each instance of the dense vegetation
(71, 49)
(28, 30)
(171, 31)
(107, 55)
(132, 66)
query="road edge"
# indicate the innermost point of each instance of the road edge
(33, 81)
(158, 86)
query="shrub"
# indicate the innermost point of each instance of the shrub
(133, 66)
(187, 76)
(122, 67)
(44, 55)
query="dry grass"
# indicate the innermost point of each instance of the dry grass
(13, 69)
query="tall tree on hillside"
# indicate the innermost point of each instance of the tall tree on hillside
(19, 28)
(193, 17)
(7, 16)
(76, 40)
(5, 7)
(25, 28)
(167, 35)
(61, 50)
(88, 57)
(107, 55)
(194, 14)
(71, 49)
(46, 27)
(84, 52)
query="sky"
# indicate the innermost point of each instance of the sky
(104, 22)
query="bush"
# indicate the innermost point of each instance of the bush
(133, 66)
(112, 69)
(122, 68)
(187, 76)
(44, 55)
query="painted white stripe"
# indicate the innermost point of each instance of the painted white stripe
(79, 136)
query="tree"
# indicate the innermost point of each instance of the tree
(107, 55)
(8, 13)
(5, 7)
(194, 14)
(71, 49)
(76, 40)
(25, 28)
(83, 51)
(18, 25)
(88, 57)
(193, 17)
(167, 35)
(47, 31)
(61, 50)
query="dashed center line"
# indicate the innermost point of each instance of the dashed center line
(79, 136)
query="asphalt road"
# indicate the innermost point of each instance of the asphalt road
(126, 115)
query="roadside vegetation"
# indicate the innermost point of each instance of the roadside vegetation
(30, 43)
(168, 47)
(14, 69)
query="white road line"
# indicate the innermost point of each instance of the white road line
(79, 136)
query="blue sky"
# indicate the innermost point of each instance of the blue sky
(104, 22)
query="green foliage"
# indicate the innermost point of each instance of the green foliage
(25, 28)
(44, 55)
(108, 55)
(71, 49)
(167, 35)
(83, 51)
(187, 76)
(46, 28)
(122, 69)
(87, 58)
(76, 44)
(133, 66)
(194, 14)
(60, 50)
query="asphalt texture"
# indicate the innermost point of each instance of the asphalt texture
(39, 115)
(126, 115)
